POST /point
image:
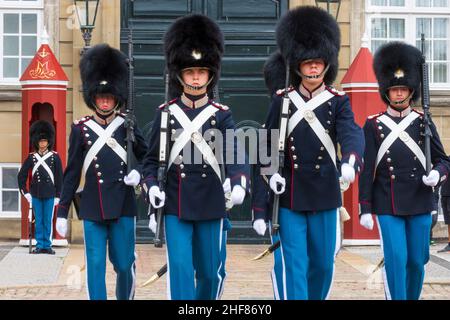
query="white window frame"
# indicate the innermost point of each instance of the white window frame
(410, 13)
(19, 7)
(9, 214)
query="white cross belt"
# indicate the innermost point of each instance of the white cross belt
(398, 131)
(104, 138)
(305, 110)
(191, 129)
(41, 162)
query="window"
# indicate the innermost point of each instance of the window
(20, 26)
(9, 191)
(406, 20)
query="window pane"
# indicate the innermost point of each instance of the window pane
(379, 2)
(440, 27)
(11, 45)
(25, 63)
(440, 50)
(379, 28)
(29, 45)
(29, 23)
(439, 72)
(376, 44)
(10, 23)
(10, 201)
(396, 28)
(423, 25)
(440, 3)
(397, 3)
(10, 68)
(10, 178)
(427, 48)
(423, 3)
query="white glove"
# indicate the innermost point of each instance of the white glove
(237, 195)
(61, 226)
(227, 192)
(152, 223)
(275, 180)
(28, 197)
(56, 202)
(366, 221)
(226, 186)
(432, 179)
(259, 225)
(132, 179)
(154, 193)
(347, 173)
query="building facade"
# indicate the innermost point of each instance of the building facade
(249, 35)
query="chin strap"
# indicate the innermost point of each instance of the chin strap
(195, 88)
(104, 115)
(317, 76)
(396, 103)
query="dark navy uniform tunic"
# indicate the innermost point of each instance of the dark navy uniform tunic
(312, 179)
(41, 185)
(194, 191)
(105, 196)
(396, 186)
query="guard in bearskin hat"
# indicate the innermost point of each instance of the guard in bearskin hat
(193, 198)
(318, 118)
(44, 167)
(394, 184)
(98, 157)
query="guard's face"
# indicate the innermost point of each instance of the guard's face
(312, 67)
(43, 144)
(105, 102)
(397, 94)
(195, 76)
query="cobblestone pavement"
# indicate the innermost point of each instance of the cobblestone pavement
(246, 279)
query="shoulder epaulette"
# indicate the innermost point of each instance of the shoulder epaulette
(82, 120)
(167, 103)
(418, 111)
(335, 91)
(376, 115)
(280, 92)
(220, 106)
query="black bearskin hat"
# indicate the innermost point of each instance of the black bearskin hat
(309, 32)
(398, 64)
(39, 130)
(193, 41)
(275, 73)
(104, 70)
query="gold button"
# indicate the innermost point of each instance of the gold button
(181, 166)
(391, 168)
(293, 148)
(203, 175)
(183, 175)
(317, 167)
(99, 174)
(322, 148)
(295, 166)
(101, 181)
(393, 177)
(382, 136)
(294, 157)
(389, 160)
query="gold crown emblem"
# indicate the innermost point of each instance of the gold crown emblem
(43, 53)
(197, 55)
(399, 74)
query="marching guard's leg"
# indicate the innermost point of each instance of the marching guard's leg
(293, 230)
(95, 237)
(393, 242)
(277, 271)
(417, 239)
(179, 233)
(39, 222)
(122, 255)
(207, 261)
(47, 218)
(323, 245)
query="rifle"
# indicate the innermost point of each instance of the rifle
(425, 94)
(130, 119)
(284, 118)
(30, 228)
(164, 146)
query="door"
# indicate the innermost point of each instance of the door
(249, 31)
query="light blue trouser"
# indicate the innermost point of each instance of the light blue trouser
(193, 245)
(308, 248)
(405, 243)
(43, 215)
(119, 236)
(223, 254)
